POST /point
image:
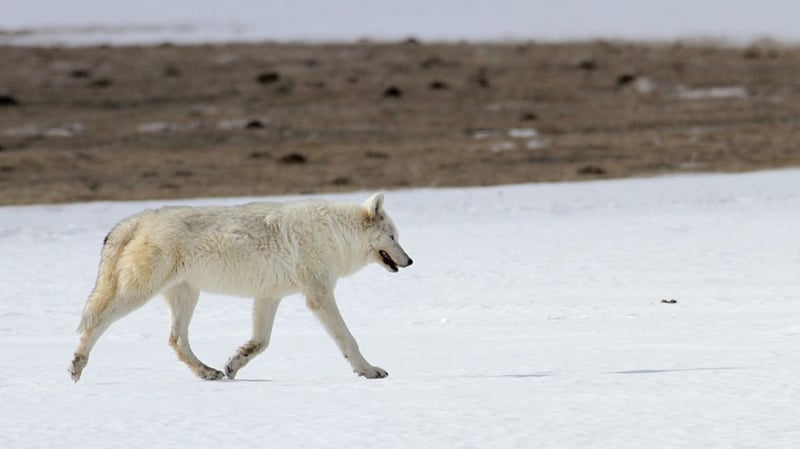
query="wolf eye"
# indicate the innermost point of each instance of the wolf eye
(392, 237)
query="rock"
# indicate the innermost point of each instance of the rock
(433, 61)
(293, 158)
(752, 53)
(92, 184)
(376, 155)
(8, 100)
(260, 155)
(625, 79)
(587, 65)
(171, 71)
(80, 73)
(101, 82)
(284, 89)
(254, 124)
(268, 77)
(392, 92)
(591, 170)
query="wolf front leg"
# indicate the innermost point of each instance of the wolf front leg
(323, 304)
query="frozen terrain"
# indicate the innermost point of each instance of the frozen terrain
(532, 317)
(154, 21)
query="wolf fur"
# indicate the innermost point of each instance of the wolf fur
(260, 250)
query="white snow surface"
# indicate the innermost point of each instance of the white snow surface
(80, 22)
(532, 317)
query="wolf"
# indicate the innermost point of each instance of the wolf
(261, 250)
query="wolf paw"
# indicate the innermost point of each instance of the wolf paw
(373, 372)
(230, 370)
(208, 373)
(76, 368)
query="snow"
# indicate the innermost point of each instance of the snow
(532, 317)
(521, 133)
(36, 22)
(712, 93)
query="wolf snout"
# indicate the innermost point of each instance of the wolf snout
(410, 261)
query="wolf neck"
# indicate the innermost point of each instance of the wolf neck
(357, 251)
(350, 244)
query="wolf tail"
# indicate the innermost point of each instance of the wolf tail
(106, 287)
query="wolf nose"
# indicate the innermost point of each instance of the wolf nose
(410, 261)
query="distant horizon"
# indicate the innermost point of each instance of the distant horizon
(88, 22)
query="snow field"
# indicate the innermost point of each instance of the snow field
(531, 318)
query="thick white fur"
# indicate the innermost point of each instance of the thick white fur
(260, 250)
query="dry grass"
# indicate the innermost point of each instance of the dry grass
(167, 121)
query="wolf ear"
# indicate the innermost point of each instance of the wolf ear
(374, 206)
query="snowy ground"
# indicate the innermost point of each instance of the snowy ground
(531, 318)
(154, 21)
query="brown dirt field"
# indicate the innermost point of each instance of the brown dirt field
(123, 123)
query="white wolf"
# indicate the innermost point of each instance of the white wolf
(260, 250)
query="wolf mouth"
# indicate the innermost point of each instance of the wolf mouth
(387, 259)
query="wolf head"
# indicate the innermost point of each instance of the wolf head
(384, 241)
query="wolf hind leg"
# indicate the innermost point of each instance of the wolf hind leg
(182, 300)
(264, 310)
(89, 337)
(115, 308)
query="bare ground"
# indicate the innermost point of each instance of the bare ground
(122, 123)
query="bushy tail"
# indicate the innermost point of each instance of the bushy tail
(105, 288)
